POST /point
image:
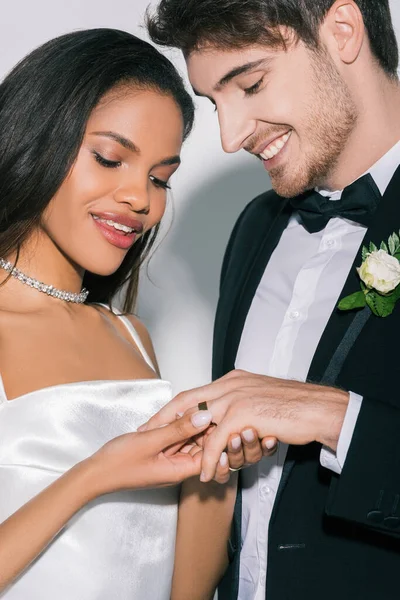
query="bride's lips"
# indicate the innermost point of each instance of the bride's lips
(121, 239)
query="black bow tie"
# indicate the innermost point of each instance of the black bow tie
(357, 203)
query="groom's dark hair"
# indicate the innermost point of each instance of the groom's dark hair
(227, 24)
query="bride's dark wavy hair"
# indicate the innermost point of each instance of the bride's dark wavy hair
(45, 103)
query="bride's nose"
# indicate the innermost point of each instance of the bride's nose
(136, 197)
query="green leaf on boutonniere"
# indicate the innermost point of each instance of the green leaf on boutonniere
(394, 244)
(372, 247)
(364, 253)
(356, 300)
(381, 306)
(384, 247)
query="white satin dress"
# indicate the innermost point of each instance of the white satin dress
(119, 547)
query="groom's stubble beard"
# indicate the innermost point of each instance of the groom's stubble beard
(328, 122)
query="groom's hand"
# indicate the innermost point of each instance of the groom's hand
(293, 412)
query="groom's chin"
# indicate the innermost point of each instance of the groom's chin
(291, 183)
(288, 188)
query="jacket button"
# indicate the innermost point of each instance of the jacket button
(392, 522)
(376, 516)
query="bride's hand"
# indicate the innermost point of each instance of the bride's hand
(141, 460)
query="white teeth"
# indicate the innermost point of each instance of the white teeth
(120, 227)
(274, 148)
(117, 226)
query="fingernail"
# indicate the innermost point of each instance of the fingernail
(142, 428)
(179, 415)
(203, 477)
(248, 435)
(270, 444)
(223, 461)
(236, 442)
(201, 418)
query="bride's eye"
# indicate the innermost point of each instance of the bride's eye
(159, 183)
(109, 164)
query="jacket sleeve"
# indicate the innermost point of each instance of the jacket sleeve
(368, 489)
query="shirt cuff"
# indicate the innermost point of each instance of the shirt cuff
(335, 460)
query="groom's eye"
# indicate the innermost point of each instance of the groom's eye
(253, 89)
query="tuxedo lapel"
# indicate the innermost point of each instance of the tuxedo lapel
(237, 300)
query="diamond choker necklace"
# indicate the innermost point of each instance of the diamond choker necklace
(43, 287)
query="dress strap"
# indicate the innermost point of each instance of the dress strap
(3, 396)
(135, 336)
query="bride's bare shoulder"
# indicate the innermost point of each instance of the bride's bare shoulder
(139, 327)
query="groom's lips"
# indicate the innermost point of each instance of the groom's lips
(275, 142)
(258, 150)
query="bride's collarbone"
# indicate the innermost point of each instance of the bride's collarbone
(38, 352)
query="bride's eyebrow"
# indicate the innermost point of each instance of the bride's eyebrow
(117, 137)
(173, 160)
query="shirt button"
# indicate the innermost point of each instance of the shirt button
(265, 490)
(294, 315)
(330, 243)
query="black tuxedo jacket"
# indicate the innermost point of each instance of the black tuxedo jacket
(330, 536)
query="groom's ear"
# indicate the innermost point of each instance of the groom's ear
(343, 31)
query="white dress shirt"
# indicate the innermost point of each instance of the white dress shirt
(290, 310)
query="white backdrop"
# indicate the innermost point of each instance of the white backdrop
(209, 191)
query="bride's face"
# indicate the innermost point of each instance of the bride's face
(117, 187)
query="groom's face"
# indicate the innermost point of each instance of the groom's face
(291, 108)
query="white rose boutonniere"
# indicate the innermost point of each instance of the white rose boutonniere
(380, 271)
(380, 279)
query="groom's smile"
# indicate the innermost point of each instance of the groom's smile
(272, 149)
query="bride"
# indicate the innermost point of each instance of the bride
(92, 125)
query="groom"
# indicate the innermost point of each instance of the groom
(310, 88)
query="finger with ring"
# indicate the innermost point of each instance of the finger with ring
(235, 451)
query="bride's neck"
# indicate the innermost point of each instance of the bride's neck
(40, 258)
